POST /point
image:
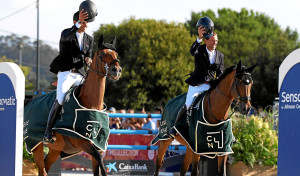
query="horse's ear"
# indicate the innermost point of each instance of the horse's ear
(114, 41)
(100, 41)
(239, 66)
(250, 69)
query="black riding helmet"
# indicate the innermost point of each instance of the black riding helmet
(208, 24)
(90, 8)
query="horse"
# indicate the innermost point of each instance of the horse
(234, 84)
(90, 95)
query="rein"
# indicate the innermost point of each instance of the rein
(99, 58)
(238, 98)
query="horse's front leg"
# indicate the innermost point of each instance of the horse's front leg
(96, 167)
(97, 163)
(52, 156)
(97, 156)
(38, 155)
(186, 162)
(222, 165)
(195, 165)
(162, 148)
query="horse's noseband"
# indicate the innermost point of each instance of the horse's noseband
(115, 60)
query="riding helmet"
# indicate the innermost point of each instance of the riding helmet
(90, 8)
(208, 24)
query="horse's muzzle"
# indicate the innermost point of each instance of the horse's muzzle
(114, 73)
(244, 108)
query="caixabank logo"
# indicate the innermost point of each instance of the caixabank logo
(121, 167)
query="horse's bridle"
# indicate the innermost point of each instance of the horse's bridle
(99, 58)
(238, 98)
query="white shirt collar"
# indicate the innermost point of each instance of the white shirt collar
(79, 39)
(210, 52)
(79, 35)
(211, 56)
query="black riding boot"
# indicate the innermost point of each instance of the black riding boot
(54, 113)
(172, 132)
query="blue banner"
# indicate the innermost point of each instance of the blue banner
(289, 123)
(8, 104)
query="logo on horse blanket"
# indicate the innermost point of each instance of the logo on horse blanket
(203, 138)
(76, 121)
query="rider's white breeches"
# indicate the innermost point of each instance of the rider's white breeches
(193, 92)
(65, 80)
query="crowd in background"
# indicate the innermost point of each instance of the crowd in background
(134, 123)
(151, 123)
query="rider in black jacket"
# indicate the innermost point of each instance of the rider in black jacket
(75, 47)
(209, 64)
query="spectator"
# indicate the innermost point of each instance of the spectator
(260, 112)
(112, 110)
(157, 110)
(130, 111)
(122, 119)
(132, 123)
(114, 123)
(123, 111)
(149, 125)
(142, 121)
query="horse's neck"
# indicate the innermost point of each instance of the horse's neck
(217, 102)
(92, 91)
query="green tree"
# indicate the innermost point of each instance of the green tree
(25, 70)
(10, 47)
(253, 38)
(155, 59)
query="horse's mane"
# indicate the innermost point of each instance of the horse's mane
(216, 82)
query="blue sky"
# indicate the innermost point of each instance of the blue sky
(56, 15)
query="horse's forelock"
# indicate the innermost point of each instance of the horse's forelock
(244, 75)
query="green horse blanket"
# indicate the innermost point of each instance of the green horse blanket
(203, 138)
(76, 121)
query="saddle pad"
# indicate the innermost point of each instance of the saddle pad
(203, 138)
(76, 121)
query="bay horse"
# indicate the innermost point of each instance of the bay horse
(234, 84)
(90, 95)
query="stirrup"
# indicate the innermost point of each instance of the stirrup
(47, 139)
